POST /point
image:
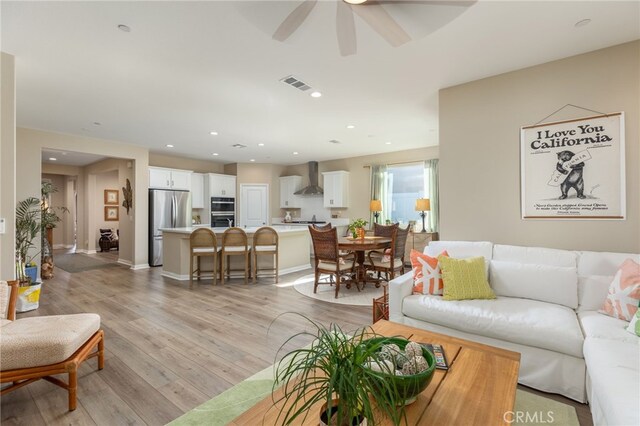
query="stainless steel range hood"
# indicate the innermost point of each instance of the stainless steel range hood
(313, 188)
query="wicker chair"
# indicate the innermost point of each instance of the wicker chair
(235, 243)
(37, 348)
(377, 261)
(324, 227)
(265, 241)
(327, 257)
(203, 243)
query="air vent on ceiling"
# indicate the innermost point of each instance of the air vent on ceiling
(238, 145)
(296, 82)
(334, 141)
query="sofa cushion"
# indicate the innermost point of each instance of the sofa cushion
(592, 291)
(527, 322)
(623, 296)
(535, 255)
(35, 341)
(612, 366)
(427, 276)
(462, 250)
(602, 263)
(553, 284)
(597, 325)
(464, 279)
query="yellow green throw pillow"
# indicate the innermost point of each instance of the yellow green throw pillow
(465, 279)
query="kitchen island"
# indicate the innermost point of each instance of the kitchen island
(293, 251)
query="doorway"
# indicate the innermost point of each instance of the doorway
(254, 205)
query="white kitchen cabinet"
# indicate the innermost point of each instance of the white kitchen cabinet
(336, 189)
(222, 185)
(197, 191)
(169, 178)
(289, 185)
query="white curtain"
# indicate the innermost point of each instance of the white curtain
(433, 194)
(380, 191)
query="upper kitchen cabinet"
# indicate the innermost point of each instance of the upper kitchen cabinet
(289, 185)
(336, 189)
(197, 191)
(222, 185)
(169, 178)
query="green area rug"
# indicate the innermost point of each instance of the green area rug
(530, 409)
(76, 262)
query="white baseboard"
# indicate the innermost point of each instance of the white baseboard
(59, 246)
(140, 266)
(124, 262)
(68, 246)
(90, 251)
(175, 276)
(81, 251)
(292, 269)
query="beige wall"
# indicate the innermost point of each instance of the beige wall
(29, 145)
(70, 175)
(183, 163)
(359, 175)
(479, 149)
(7, 164)
(247, 173)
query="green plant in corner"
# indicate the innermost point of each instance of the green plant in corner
(333, 370)
(355, 225)
(27, 228)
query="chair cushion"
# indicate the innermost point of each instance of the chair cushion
(601, 326)
(380, 263)
(265, 248)
(527, 322)
(36, 341)
(331, 266)
(5, 293)
(236, 248)
(4, 322)
(205, 249)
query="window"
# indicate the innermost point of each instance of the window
(406, 183)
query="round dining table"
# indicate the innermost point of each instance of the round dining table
(359, 246)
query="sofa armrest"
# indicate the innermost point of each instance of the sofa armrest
(399, 288)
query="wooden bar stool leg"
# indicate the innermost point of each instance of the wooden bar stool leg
(246, 268)
(215, 267)
(190, 271)
(255, 265)
(277, 267)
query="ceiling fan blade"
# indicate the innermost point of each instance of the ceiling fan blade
(377, 17)
(345, 29)
(458, 3)
(294, 20)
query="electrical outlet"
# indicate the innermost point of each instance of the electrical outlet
(2, 225)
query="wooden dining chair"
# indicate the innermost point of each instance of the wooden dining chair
(235, 243)
(327, 257)
(35, 348)
(265, 242)
(390, 260)
(203, 243)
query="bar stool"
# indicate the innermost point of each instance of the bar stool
(265, 241)
(234, 243)
(202, 243)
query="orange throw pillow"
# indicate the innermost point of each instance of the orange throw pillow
(427, 278)
(624, 292)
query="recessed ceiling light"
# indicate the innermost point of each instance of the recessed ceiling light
(125, 28)
(334, 141)
(215, 154)
(97, 123)
(295, 152)
(213, 133)
(355, 1)
(64, 153)
(260, 144)
(387, 143)
(582, 23)
(252, 160)
(351, 126)
(169, 146)
(53, 159)
(316, 94)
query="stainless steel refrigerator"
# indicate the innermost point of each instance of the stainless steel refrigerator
(167, 209)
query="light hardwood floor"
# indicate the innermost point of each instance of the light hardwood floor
(168, 348)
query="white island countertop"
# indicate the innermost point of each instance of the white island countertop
(248, 230)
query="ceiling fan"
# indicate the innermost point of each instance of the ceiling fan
(371, 12)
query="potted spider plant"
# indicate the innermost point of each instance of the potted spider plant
(335, 372)
(357, 228)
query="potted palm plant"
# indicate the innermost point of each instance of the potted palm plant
(344, 373)
(27, 228)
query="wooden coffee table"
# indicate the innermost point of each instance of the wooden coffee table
(478, 389)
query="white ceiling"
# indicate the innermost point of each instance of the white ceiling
(186, 69)
(69, 158)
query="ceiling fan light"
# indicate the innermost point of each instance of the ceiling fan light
(354, 1)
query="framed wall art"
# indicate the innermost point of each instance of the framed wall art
(111, 213)
(111, 197)
(574, 169)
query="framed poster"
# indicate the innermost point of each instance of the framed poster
(111, 196)
(111, 213)
(573, 169)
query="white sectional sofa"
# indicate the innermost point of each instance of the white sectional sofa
(546, 309)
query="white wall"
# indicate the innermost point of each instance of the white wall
(58, 200)
(479, 149)
(7, 164)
